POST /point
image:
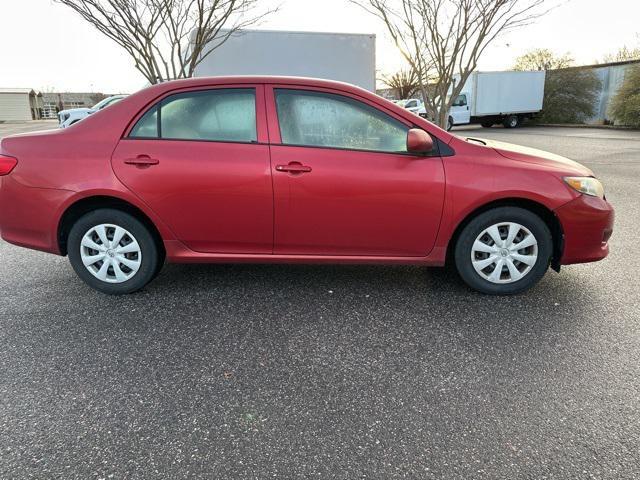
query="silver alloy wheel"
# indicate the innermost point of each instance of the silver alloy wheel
(110, 253)
(504, 252)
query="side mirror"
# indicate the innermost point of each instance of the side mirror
(419, 141)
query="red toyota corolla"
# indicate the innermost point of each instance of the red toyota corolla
(269, 169)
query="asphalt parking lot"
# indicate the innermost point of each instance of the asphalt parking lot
(338, 372)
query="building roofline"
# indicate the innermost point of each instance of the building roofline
(17, 90)
(602, 65)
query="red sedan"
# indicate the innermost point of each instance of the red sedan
(269, 169)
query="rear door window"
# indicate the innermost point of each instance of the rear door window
(223, 115)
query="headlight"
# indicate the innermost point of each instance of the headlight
(587, 185)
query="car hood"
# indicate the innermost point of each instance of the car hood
(539, 157)
(76, 110)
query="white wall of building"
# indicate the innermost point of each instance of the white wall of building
(611, 78)
(15, 105)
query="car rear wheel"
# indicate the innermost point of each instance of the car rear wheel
(504, 251)
(113, 252)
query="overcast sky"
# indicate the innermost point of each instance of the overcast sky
(46, 46)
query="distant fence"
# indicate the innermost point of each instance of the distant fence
(611, 76)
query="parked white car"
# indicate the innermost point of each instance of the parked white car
(74, 115)
(411, 104)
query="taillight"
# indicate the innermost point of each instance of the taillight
(7, 164)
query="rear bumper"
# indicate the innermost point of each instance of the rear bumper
(587, 224)
(28, 215)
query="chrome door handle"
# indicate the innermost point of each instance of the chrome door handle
(142, 161)
(293, 167)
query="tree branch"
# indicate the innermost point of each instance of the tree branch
(167, 39)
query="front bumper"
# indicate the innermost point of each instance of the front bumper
(587, 224)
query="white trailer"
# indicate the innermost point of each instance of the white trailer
(345, 57)
(489, 98)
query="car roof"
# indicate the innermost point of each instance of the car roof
(137, 102)
(257, 79)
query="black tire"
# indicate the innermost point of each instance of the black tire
(466, 239)
(449, 123)
(512, 121)
(159, 267)
(151, 261)
(487, 124)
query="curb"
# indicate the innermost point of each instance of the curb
(583, 125)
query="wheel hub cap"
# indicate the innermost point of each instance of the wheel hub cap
(110, 253)
(504, 252)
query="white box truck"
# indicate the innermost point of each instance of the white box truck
(345, 57)
(489, 98)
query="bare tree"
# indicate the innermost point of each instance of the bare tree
(404, 82)
(442, 40)
(168, 38)
(622, 55)
(542, 59)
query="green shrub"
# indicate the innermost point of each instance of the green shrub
(625, 107)
(570, 96)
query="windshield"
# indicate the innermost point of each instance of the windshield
(106, 102)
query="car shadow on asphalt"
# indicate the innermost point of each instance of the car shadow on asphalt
(399, 291)
(247, 312)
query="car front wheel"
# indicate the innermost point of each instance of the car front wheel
(504, 251)
(449, 123)
(113, 252)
